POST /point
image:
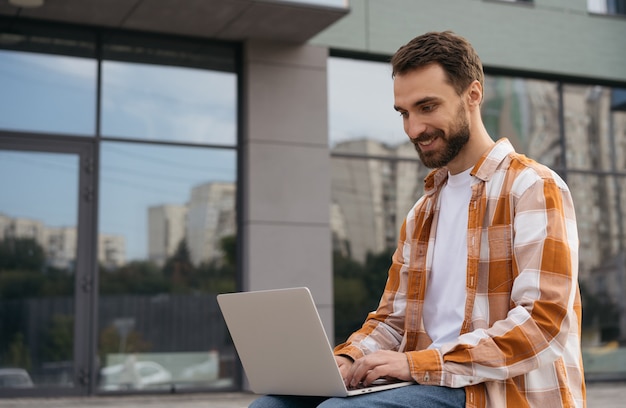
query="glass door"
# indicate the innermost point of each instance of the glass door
(46, 200)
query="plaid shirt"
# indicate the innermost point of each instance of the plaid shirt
(519, 345)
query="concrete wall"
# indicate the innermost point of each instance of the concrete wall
(286, 216)
(546, 36)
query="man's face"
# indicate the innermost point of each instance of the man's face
(433, 114)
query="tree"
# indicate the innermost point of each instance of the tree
(59, 339)
(228, 245)
(357, 289)
(18, 355)
(137, 277)
(179, 269)
(17, 284)
(21, 253)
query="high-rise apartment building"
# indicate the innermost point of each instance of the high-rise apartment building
(166, 230)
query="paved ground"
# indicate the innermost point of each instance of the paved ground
(600, 395)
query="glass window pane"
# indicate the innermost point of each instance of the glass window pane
(607, 6)
(601, 272)
(38, 240)
(153, 102)
(587, 128)
(360, 101)
(47, 93)
(168, 217)
(370, 199)
(618, 126)
(526, 112)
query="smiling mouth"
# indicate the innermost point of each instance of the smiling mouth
(425, 140)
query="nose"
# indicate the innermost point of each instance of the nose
(414, 127)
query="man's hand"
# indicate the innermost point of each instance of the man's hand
(344, 364)
(381, 364)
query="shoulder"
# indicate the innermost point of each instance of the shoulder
(503, 169)
(524, 173)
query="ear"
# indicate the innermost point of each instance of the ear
(475, 95)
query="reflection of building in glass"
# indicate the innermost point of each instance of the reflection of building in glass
(594, 138)
(340, 241)
(22, 228)
(111, 250)
(60, 243)
(60, 247)
(409, 182)
(166, 229)
(606, 282)
(370, 197)
(523, 111)
(588, 148)
(211, 217)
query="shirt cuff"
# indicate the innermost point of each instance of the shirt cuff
(426, 366)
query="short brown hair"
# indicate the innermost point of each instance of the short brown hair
(452, 52)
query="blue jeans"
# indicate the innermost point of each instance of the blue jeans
(412, 396)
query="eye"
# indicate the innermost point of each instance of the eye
(403, 114)
(428, 108)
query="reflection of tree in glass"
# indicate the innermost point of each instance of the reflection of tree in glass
(21, 253)
(24, 273)
(178, 269)
(59, 338)
(600, 313)
(178, 274)
(17, 354)
(357, 289)
(138, 277)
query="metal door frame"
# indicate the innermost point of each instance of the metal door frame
(85, 279)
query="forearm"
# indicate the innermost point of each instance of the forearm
(384, 328)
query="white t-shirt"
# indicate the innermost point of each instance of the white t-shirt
(444, 304)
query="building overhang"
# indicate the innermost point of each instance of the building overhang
(232, 20)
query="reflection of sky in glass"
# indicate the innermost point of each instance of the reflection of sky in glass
(39, 186)
(360, 99)
(137, 176)
(55, 94)
(45, 93)
(168, 103)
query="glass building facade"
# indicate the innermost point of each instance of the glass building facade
(118, 221)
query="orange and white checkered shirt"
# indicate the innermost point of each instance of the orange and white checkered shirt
(519, 345)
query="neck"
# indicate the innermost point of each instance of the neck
(477, 145)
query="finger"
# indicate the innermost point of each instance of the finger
(359, 371)
(344, 365)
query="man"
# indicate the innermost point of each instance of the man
(481, 307)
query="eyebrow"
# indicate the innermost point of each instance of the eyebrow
(423, 101)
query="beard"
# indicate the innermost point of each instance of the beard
(454, 142)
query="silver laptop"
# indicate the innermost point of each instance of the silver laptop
(282, 344)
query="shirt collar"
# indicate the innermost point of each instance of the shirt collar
(483, 170)
(489, 163)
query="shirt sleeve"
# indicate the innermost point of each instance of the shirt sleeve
(384, 328)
